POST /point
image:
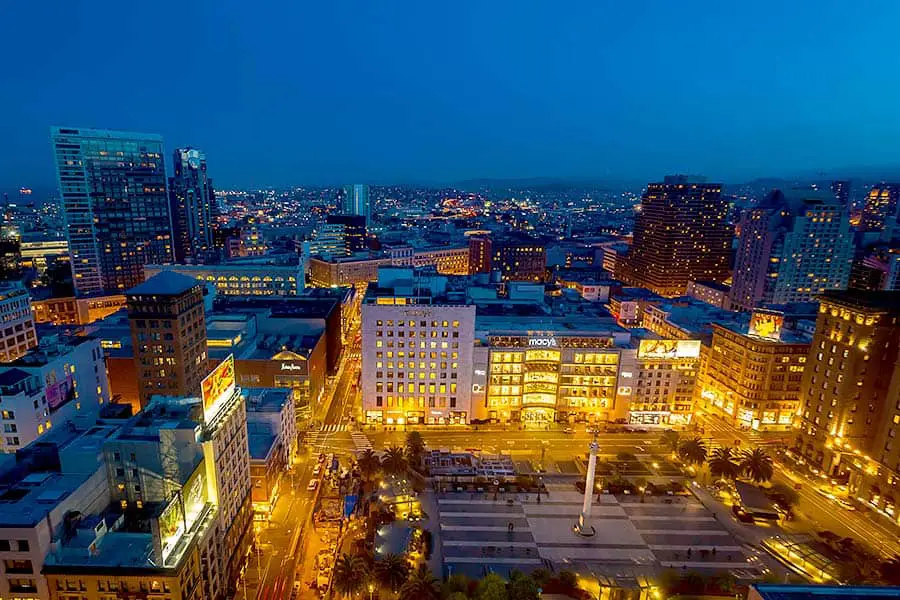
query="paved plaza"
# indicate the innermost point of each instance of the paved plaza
(661, 532)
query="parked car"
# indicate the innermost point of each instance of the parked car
(313, 484)
(568, 430)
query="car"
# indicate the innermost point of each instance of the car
(568, 430)
(317, 470)
(845, 504)
(313, 484)
(592, 430)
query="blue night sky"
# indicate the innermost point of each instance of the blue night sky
(299, 92)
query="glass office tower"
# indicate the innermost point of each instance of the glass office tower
(192, 204)
(113, 188)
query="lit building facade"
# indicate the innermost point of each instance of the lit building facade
(192, 203)
(519, 258)
(480, 254)
(850, 418)
(664, 380)
(416, 352)
(168, 331)
(542, 377)
(355, 201)
(352, 271)
(447, 261)
(113, 187)
(76, 311)
(236, 279)
(17, 334)
(792, 248)
(752, 378)
(880, 210)
(681, 234)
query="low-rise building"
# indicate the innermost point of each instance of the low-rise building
(76, 311)
(272, 435)
(257, 277)
(712, 292)
(17, 334)
(62, 379)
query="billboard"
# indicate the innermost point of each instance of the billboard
(628, 311)
(662, 349)
(218, 386)
(766, 324)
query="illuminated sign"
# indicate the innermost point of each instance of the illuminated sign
(291, 367)
(543, 342)
(766, 324)
(662, 349)
(218, 387)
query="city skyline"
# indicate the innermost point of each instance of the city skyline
(515, 93)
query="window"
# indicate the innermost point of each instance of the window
(23, 545)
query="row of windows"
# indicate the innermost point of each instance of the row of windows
(390, 323)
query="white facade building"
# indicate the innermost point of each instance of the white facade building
(57, 382)
(416, 352)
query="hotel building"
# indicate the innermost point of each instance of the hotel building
(663, 386)
(254, 278)
(752, 374)
(850, 417)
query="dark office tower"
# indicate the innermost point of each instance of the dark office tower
(193, 206)
(113, 187)
(519, 258)
(681, 234)
(793, 247)
(841, 191)
(880, 210)
(168, 332)
(480, 253)
(353, 233)
(355, 201)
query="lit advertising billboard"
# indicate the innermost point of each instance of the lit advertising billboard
(766, 324)
(218, 386)
(672, 349)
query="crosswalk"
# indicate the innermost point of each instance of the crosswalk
(333, 428)
(361, 441)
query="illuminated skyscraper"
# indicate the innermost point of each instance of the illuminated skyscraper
(193, 205)
(355, 201)
(881, 206)
(113, 187)
(681, 234)
(792, 248)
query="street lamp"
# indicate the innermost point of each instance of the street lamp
(371, 590)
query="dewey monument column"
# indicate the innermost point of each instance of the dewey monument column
(582, 527)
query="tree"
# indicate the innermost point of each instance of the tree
(421, 585)
(392, 571)
(693, 451)
(671, 440)
(350, 574)
(458, 583)
(521, 587)
(722, 464)
(568, 579)
(415, 448)
(757, 465)
(368, 464)
(492, 587)
(394, 460)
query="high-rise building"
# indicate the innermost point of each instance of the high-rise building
(480, 254)
(850, 416)
(519, 258)
(841, 191)
(340, 235)
(113, 187)
(192, 203)
(355, 201)
(793, 247)
(881, 207)
(681, 234)
(17, 334)
(168, 333)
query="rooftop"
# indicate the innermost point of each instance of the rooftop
(260, 442)
(713, 285)
(266, 399)
(881, 301)
(770, 591)
(31, 499)
(165, 283)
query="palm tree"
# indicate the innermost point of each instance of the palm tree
(671, 440)
(723, 464)
(415, 447)
(391, 571)
(421, 585)
(757, 465)
(394, 460)
(693, 451)
(368, 464)
(350, 574)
